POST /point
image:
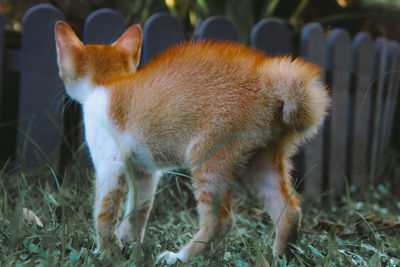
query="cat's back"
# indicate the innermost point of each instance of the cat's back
(210, 51)
(206, 75)
(190, 84)
(205, 57)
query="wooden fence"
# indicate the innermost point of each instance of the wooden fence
(362, 74)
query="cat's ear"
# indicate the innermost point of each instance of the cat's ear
(130, 43)
(67, 41)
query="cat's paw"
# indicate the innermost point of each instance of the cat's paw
(125, 235)
(170, 257)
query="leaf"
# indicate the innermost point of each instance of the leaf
(299, 250)
(261, 261)
(375, 261)
(33, 248)
(31, 217)
(383, 189)
(53, 200)
(258, 211)
(227, 256)
(240, 263)
(388, 223)
(327, 225)
(74, 258)
(370, 218)
(354, 258)
(315, 251)
(359, 205)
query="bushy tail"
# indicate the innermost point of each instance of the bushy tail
(298, 86)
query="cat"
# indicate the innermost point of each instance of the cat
(224, 111)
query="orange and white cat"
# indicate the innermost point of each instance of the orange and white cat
(224, 111)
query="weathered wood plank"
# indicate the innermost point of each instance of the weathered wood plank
(103, 26)
(395, 95)
(271, 37)
(390, 95)
(160, 32)
(217, 28)
(338, 64)
(362, 70)
(377, 103)
(41, 90)
(313, 49)
(1, 65)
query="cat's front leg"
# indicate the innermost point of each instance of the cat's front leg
(107, 149)
(110, 192)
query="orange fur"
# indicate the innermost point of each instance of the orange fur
(108, 216)
(226, 206)
(223, 110)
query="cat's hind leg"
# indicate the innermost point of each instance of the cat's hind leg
(269, 179)
(215, 215)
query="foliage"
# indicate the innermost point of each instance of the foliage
(244, 14)
(342, 235)
(375, 16)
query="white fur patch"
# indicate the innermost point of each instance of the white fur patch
(101, 144)
(105, 141)
(106, 156)
(266, 182)
(79, 90)
(171, 257)
(190, 149)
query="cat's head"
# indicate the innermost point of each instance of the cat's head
(84, 67)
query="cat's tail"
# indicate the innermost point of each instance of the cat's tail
(297, 85)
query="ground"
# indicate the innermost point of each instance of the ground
(361, 230)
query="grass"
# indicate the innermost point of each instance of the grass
(342, 235)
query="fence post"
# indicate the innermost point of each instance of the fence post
(217, 28)
(1, 67)
(361, 97)
(313, 49)
(390, 95)
(396, 73)
(271, 37)
(160, 32)
(338, 64)
(377, 103)
(41, 91)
